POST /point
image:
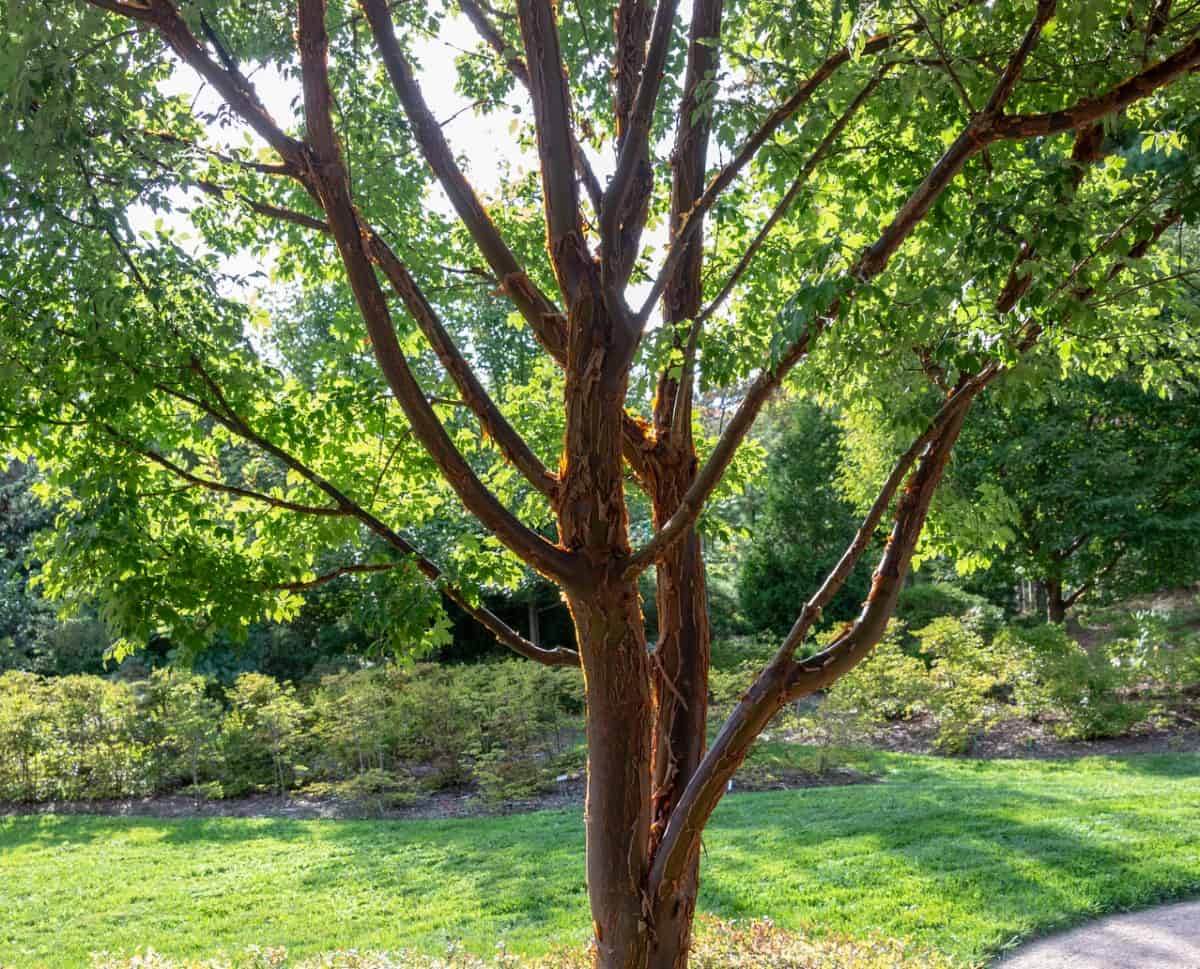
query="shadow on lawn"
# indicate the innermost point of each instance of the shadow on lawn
(967, 857)
(967, 865)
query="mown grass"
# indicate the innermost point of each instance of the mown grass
(963, 856)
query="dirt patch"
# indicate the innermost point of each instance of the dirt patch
(446, 804)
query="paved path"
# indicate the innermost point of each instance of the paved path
(1167, 937)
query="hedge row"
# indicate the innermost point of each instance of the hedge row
(384, 733)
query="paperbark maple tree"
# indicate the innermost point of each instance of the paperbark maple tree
(1016, 157)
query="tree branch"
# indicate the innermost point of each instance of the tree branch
(231, 85)
(1090, 584)
(220, 486)
(633, 152)
(516, 66)
(327, 173)
(1090, 110)
(793, 191)
(511, 444)
(689, 162)
(746, 153)
(552, 118)
(224, 414)
(784, 678)
(980, 132)
(532, 303)
(974, 138)
(337, 573)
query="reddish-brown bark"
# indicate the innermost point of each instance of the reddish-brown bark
(651, 783)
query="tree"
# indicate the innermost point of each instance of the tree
(803, 526)
(1094, 488)
(32, 637)
(22, 615)
(1012, 164)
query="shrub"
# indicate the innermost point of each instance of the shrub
(966, 679)
(263, 733)
(182, 725)
(90, 748)
(374, 790)
(1075, 689)
(888, 685)
(436, 723)
(919, 605)
(23, 736)
(355, 726)
(363, 735)
(522, 710)
(1158, 651)
(731, 652)
(958, 685)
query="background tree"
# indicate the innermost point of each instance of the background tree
(22, 614)
(1013, 159)
(1094, 490)
(801, 527)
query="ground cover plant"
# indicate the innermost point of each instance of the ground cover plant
(900, 208)
(966, 857)
(754, 944)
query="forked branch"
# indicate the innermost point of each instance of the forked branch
(327, 173)
(533, 304)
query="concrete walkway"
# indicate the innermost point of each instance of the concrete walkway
(1167, 937)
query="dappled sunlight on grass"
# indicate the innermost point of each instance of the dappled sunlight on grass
(964, 856)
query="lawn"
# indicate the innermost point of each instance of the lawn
(964, 856)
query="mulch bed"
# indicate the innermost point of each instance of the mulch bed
(444, 804)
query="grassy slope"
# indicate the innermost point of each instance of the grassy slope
(964, 856)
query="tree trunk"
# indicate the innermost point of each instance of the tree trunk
(607, 615)
(1056, 607)
(535, 630)
(680, 686)
(616, 670)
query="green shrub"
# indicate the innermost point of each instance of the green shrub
(263, 734)
(24, 714)
(732, 652)
(91, 748)
(509, 727)
(1158, 651)
(181, 726)
(1076, 690)
(436, 724)
(921, 604)
(522, 710)
(966, 675)
(373, 789)
(355, 727)
(888, 685)
(958, 686)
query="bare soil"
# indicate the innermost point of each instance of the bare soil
(1026, 739)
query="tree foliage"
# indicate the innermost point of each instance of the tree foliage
(1089, 487)
(895, 206)
(802, 527)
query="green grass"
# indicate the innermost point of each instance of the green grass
(964, 856)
